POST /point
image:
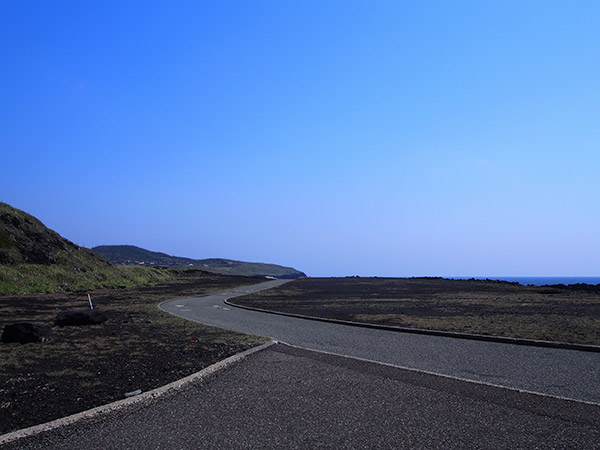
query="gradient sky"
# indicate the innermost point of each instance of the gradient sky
(401, 138)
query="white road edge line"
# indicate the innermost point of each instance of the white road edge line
(411, 369)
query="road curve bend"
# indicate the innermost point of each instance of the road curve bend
(557, 372)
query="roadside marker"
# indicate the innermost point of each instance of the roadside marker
(90, 300)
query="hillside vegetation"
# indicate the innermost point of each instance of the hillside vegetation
(34, 258)
(130, 254)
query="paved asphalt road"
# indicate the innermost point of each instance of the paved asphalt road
(566, 373)
(287, 398)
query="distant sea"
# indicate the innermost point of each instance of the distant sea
(540, 281)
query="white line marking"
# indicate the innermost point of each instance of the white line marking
(452, 377)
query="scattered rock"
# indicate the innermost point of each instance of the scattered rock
(79, 317)
(24, 332)
(133, 393)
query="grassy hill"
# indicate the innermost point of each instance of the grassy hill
(34, 258)
(130, 254)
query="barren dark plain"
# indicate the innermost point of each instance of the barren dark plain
(498, 308)
(141, 347)
(138, 347)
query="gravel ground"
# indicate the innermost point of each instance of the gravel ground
(285, 397)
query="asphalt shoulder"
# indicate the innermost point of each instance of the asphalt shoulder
(288, 397)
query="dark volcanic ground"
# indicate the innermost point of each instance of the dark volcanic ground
(551, 313)
(139, 347)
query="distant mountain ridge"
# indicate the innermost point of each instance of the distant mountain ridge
(131, 255)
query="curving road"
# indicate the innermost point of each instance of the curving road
(565, 373)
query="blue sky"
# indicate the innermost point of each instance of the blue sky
(342, 138)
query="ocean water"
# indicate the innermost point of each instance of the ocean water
(540, 281)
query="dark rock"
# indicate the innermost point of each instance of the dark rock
(24, 332)
(79, 317)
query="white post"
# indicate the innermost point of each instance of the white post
(90, 300)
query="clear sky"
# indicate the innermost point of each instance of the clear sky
(400, 138)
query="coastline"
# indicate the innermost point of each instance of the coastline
(537, 281)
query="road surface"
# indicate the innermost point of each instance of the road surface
(565, 373)
(287, 398)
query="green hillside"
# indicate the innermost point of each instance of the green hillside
(132, 255)
(34, 258)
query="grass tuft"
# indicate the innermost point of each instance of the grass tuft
(40, 278)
